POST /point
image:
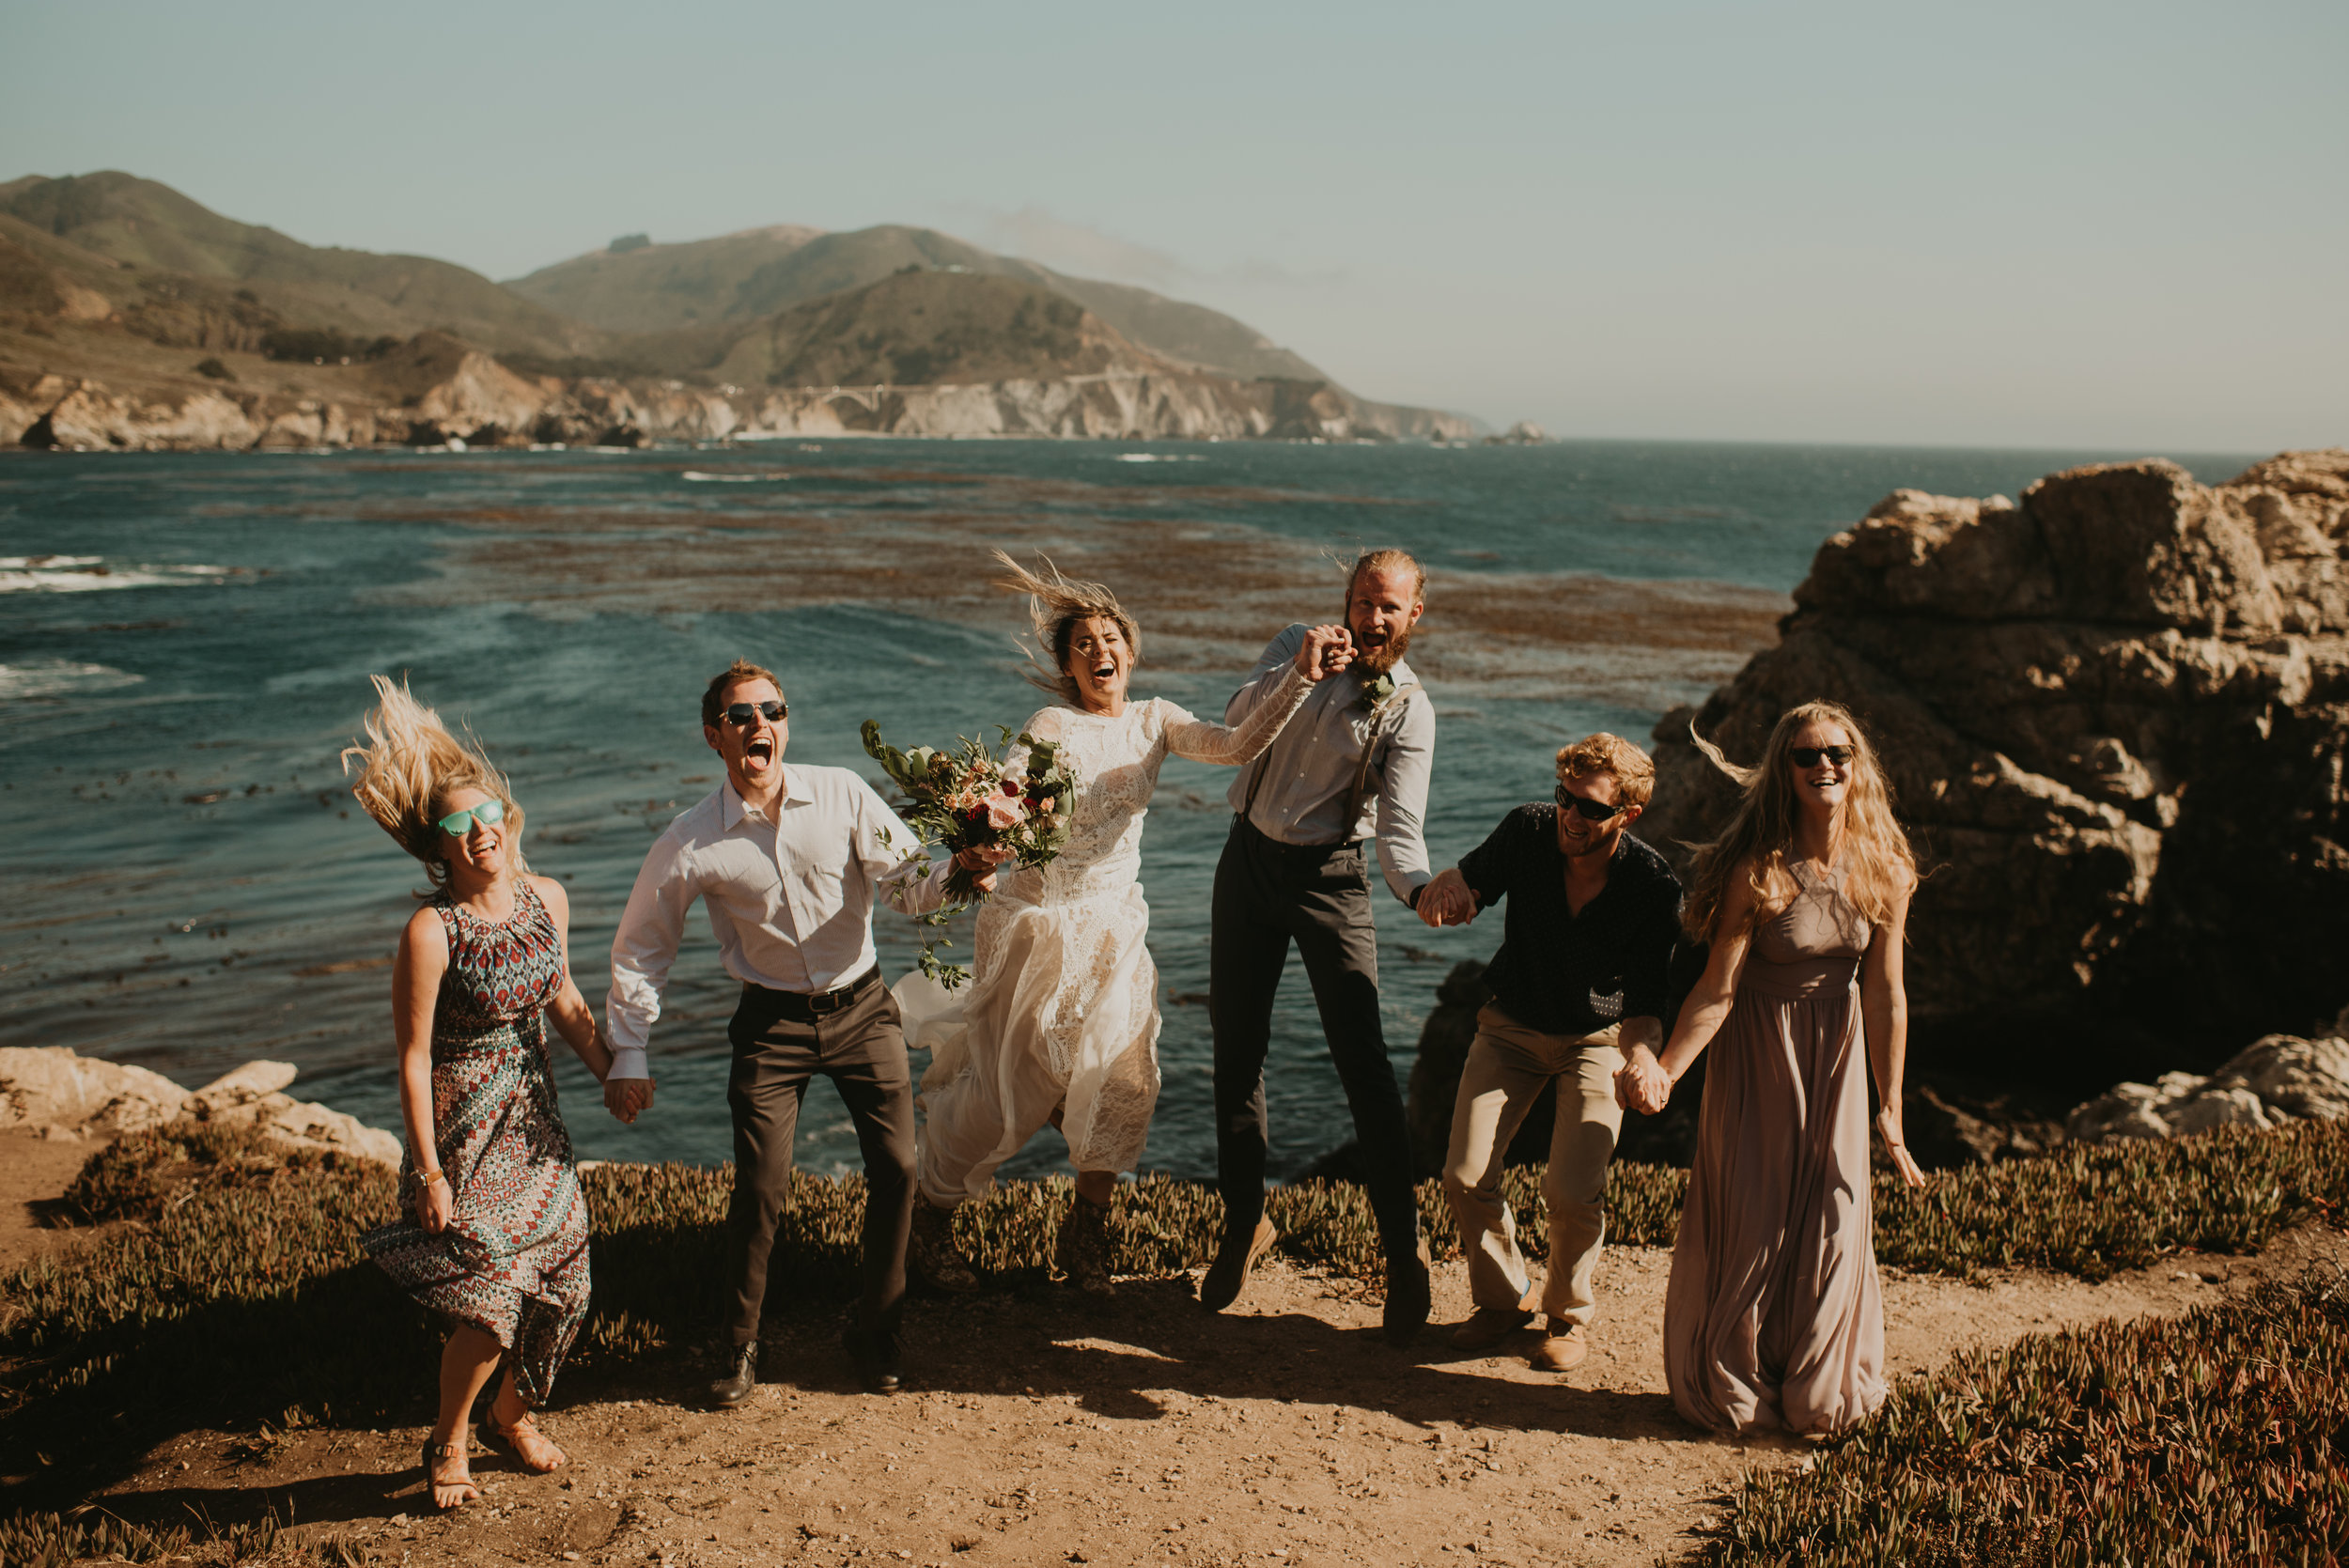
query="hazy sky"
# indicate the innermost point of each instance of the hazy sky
(2120, 225)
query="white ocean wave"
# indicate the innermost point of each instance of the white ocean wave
(697, 476)
(1159, 458)
(57, 677)
(83, 574)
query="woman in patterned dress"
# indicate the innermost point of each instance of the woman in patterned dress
(1059, 1022)
(1774, 1316)
(495, 1236)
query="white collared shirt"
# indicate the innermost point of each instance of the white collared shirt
(791, 900)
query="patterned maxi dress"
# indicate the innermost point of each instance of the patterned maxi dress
(1774, 1315)
(513, 1260)
(1061, 1009)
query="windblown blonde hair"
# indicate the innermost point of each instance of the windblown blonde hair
(411, 765)
(1055, 605)
(1871, 848)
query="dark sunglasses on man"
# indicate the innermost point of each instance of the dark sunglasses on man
(1595, 811)
(774, 712)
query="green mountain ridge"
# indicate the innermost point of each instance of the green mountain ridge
(145, 298)
(650, 288)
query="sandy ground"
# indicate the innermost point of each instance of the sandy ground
(1035, 1429)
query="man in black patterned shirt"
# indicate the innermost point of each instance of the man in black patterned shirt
(1582, 974)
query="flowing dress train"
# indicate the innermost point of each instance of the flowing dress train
(513, 1259)
(1774, 1316)
(1062, 1008)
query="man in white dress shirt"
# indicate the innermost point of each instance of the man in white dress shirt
(1352, 764)
(787, 862)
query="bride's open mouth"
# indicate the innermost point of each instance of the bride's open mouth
(1104, 674)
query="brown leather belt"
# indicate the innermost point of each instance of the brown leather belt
(810, 1005)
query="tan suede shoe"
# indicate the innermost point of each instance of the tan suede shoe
(1564, 1347)
(1489, 1325)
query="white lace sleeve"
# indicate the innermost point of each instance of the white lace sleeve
(1234, 746)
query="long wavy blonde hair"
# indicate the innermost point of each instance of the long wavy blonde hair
(409, 767)
(1872, 848)
(1055, 605)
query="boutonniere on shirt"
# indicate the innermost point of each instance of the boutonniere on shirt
(1376, 694)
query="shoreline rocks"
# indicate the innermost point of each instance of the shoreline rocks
(56, 1093)
(2277, 1080)
(2116, 718)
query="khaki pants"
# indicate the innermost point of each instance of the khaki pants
(1507, 1068)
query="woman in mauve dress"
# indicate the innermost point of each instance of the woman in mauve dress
(1774, 1316)
(495, 1234)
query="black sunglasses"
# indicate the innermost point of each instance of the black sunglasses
(1569, 800)
(743, 713)
(1808, 756)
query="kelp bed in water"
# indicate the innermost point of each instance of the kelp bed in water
(230, 1291)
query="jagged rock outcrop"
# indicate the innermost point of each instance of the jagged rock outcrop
(52, 1090)
(2278, 1079)
(2117, 716)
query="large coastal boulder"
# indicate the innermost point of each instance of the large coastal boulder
(2117, 718)
(52, 1090)
(2278, 1079)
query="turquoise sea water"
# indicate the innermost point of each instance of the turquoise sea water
(184, 643)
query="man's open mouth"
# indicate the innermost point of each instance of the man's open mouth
(760, 748)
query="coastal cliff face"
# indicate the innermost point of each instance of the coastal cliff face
(2117, 718)
(439, 388)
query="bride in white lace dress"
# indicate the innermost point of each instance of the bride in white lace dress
(1060, 1021)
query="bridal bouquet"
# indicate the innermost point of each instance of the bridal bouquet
(967, 798)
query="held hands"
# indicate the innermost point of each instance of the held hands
(1447, 900)
(1642, 1085)
(1327, 650)
(627, 1098)
(1889, 1128)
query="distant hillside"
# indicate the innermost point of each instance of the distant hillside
(929, 329)
(740, 276)
(134, 317)
(146, 227)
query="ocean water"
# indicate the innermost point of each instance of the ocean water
(185, 641)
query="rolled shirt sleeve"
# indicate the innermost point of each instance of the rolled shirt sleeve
(894, 860)
(644, 950)
(1401, 798)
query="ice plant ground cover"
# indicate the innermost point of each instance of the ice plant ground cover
(230, 1292)
(967, 797)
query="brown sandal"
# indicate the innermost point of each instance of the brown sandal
(526, 1432)
(433, 1487)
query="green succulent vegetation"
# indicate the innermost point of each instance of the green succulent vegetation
(2212, 1439)
(231, 1289)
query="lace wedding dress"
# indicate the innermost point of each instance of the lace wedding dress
(1062, 1008)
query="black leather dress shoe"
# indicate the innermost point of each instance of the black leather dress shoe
(875, 1352)
(1407, 1301)
(1237, 1254)
(740, 1379)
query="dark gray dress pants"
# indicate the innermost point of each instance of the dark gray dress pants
(861, 1049)
(1269, 894)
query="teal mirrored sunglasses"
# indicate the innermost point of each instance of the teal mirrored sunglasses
(457, 824)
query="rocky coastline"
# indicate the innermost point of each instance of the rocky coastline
(438, 391)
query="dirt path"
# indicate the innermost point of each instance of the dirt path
(1033, 1430)
(32, 1171)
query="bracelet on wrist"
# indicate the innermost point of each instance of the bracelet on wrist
(425, 1178)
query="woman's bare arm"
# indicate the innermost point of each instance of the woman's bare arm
(416, 972)
(1645, 1082)
(569, 1012)
(1884, 1019)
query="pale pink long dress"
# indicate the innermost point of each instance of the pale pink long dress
(1775, 1316)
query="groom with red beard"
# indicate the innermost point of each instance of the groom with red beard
(1351, 765)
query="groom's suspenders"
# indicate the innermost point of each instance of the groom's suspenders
(1362, 771)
